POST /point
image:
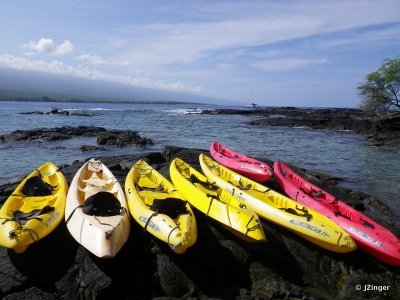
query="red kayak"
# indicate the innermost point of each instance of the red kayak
(368, 235)
(242, 164)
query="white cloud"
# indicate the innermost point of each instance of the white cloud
(246, 25)
(43, 45)
(65, 47)
(93, 59)
(368, 38)
(58, 67)
(281, 65)
(47, 45)
(98, 60)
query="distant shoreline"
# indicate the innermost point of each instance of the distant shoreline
(381, 132)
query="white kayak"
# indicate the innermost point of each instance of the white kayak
(96, 210)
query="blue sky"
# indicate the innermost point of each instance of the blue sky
(279, 53)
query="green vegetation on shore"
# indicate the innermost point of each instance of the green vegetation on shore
(381, 89)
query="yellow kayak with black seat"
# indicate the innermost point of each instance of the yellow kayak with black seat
(279, 209)
(34, 209)
(215, 202)
(158, 207)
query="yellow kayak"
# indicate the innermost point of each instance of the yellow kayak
(215, 202)
(159, 207)
(34, 209)
(279, 209)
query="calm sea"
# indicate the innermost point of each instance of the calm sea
(342, 154)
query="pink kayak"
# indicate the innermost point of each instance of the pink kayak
(368, 235)
(242, 164)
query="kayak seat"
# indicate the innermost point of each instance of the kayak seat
(172, 207)
(23, 218)
(103, 204)
(35, 186)
(209, 185)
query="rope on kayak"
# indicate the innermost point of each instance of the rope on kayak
(22, 218)
(15, 232)
(94, 166)
(244, 187)
(173, 247)
(108, 232)
(148, 220)
(248, 229)
(70, 216)
(292, 211)
(213, 197)
(248, 188)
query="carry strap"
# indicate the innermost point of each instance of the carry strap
(306, 214)
(211, 185)
(148, 220)
(22, 217)
(70, 216)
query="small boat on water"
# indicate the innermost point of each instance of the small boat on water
(96, 212)
(279, 209)
(240, 163)
(159, 207)
(369, 235)
(215, 202)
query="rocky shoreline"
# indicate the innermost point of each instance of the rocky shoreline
(56, 111)
(104, 136)
(381, 132)
(219, 265)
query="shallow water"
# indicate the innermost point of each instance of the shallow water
(341, 154)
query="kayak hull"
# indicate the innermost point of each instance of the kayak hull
(158, 207)
(279, 209)
(368, 234)
(240, 163)
(103, 233)
(17, 234)
(215, 202)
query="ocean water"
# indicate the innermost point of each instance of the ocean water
(341, 154)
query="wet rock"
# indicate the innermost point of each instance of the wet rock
(104, 136)
(384, 132)
(173, 280)
(56, 111)
(122, 138)
(86, 148)
(32, 293)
